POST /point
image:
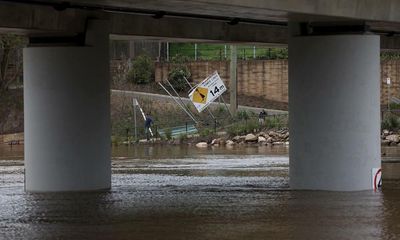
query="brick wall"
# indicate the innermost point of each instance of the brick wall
(261, 78)
(391, 69)
(269, 78)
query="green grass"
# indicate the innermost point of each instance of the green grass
(217, 51)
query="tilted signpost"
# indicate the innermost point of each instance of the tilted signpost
(207, 91)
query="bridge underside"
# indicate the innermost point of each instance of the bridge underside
(333, 75)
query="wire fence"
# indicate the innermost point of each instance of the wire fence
(167, 51)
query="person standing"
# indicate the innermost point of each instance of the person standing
(147, 124)
(261, 117)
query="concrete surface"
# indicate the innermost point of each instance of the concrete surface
(334, 118)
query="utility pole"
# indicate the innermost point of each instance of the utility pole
(167, 51)
(195, 51)
(233, 78)
(388, 86)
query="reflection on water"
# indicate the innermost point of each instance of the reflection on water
(186, 193)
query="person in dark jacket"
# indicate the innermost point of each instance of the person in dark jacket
(147, 125)
(261, 117)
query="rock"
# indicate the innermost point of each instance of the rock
(250, 138)
(270, 140)
(286, 135)
(287, 143)
(385, 132)
(263, 134)
(273, 134)
(143, 141)
(214, 141)
(278, 143)
(385, 142)
(230, 143)
(393, 138)
(262, 139)
(201, 145)
(236, 139)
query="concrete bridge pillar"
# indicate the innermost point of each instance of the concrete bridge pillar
(334, 105)
(67, 115)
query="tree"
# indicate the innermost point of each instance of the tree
(179, 72)
(142, 71)
(10, 56)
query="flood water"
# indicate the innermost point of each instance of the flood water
(172, 192)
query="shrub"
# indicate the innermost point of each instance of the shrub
(242, 115)
(390, 122)
(183, 138)
(242, 128)
(178, 73)
(168, 133)
(206, 132)
(142, 70)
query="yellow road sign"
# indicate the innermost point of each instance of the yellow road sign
(207, 91)
(200, 95)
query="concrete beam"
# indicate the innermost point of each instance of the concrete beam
(30, 20)
(196, 29)
(377, 10)
(45, 20)
(25, 19)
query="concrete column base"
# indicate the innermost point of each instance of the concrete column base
(67, 115)
(334, 107)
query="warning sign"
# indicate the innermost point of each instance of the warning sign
(200, 95)
(207, 91)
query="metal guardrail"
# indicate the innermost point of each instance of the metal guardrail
(179, 130)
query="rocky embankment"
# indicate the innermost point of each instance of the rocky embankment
(389, 138)
(281, 137)
(272, 137)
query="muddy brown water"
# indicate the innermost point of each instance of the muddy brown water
(176, 192)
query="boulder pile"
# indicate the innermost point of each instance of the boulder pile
(272, 137)
(388, 138)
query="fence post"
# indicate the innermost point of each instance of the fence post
(195, 51)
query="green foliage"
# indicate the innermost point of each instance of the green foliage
(182, 138)
(386, 56)
(241, 128)
(142, 70)
(209, 52)
(116, 140)
(10, 55)
(179, 72)
(390, 122)
(168, 133)
(276, 122)
(206, 132)
(242, 115)
(394, 106)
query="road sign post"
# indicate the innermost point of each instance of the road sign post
(207, 91)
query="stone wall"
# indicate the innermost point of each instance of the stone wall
(261, 78)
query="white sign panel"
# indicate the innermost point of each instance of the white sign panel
(207, 91)
(376, 178)
(388, 81)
